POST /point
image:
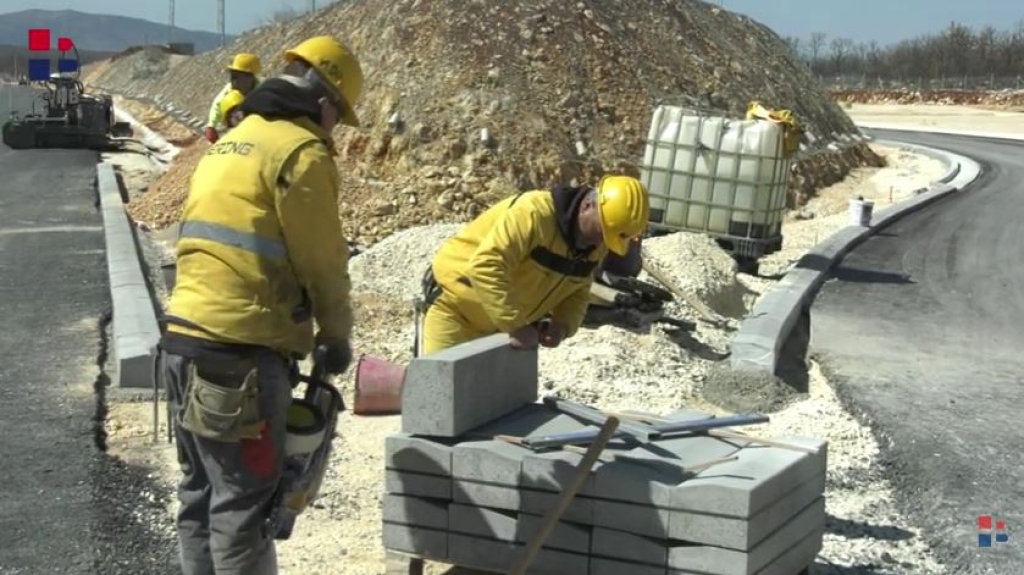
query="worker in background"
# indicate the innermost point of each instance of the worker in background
(261, 255)
(231, 110)
(243, 72)
(528, 257)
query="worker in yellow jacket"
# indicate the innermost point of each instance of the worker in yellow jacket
(230, 109)
(261, 255)
(243, 76)
(526, 258)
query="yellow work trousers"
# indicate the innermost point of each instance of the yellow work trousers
(445, 325)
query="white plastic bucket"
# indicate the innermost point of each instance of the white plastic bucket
(860, 211)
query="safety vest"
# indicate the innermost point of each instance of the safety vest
(233, 279)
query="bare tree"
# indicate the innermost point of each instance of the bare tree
(842, 49)
(815, 44)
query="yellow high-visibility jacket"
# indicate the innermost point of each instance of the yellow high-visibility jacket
(513, 264)
(214, 118)
(261, 250)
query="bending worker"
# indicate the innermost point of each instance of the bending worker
(527, 257)
(230, 108)
(261, 255)
(242, 72)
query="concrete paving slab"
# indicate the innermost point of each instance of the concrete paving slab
(632, 518)
(622, 546)
(415, 511)
(406, 452)
(602, 566)
(484, 495)
(792, 561)
(515, 527)
(419, 541)
(417, 484)
(756, 479)
(498, 555)
(455, 390)
(553, 470)
(707, 558)
(503, 497)
(580, 510)
(532, 419)
(743, 534)
(488, 461)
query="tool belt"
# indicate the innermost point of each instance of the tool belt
(220, 397)
(223, 404)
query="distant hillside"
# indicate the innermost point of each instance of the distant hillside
(14, 60)
(99, 32)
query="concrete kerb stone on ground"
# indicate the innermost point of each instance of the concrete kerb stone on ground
(135, 327)
(757, 346)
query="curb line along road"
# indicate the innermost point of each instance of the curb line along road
(758, 344)
(135, 328)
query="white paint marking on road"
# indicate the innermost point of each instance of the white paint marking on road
(49, 229)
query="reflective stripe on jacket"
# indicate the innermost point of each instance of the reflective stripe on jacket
(261, 250)
(513, 265)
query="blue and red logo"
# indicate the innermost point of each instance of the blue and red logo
(39, 68)
(986, 532)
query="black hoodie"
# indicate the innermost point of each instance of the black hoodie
(567, 207)
(277, 99)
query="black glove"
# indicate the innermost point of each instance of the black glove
(338, 356)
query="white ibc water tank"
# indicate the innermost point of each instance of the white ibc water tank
(714, 174)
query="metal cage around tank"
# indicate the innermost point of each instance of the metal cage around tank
(749, 229)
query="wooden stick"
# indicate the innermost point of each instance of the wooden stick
(551, 518)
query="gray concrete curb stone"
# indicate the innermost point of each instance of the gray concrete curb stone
(758, 344)
(135, 328)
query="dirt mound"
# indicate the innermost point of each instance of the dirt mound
(995, 98)
(161, 205)
(562, 89)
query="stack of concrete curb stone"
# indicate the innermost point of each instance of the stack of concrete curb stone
(691, 504)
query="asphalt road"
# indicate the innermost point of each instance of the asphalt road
(66, 506)
(922, 331)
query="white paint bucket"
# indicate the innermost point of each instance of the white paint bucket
(860, 211)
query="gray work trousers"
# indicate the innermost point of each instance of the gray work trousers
(226, 488)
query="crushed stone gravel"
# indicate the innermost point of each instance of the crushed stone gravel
(653, 368)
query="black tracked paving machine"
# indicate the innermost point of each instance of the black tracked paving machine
(69, 118)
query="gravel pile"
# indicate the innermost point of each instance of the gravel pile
(162, 203)
(696, 264)
(394, 266)
(999, 98)
(611, 366)
(466, 101)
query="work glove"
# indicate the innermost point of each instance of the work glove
(551, 333)
(338, 354)
(525, 337)
(211, 135)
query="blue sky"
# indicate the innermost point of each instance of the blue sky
(862, 20)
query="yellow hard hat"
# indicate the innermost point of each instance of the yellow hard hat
(248, 63)
(229, 102)
(624, 208)
(338, 67)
